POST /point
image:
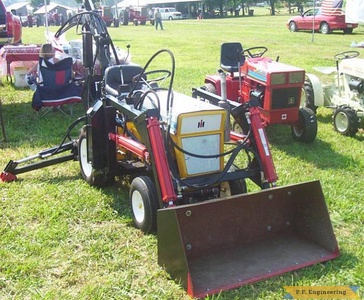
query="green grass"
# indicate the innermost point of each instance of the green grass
(62, 239)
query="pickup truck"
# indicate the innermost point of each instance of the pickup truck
(10, 27)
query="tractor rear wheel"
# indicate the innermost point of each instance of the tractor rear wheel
(124, 17)
(306, 129)
(308, 96)
(346, 121)
(209, 87)
(91, 175)
(144, 203)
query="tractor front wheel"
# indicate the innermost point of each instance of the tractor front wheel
(346, 121)
(233, 187)
(89, 173)
(306, 128)
(143, 202)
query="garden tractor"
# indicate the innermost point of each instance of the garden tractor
(188, 175)
(345, 95)
(280, 87)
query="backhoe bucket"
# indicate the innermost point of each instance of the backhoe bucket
(226, 243)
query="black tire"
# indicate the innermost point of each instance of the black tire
(309, 95)
(124, 18)
(293, 26)
(306, 129)
(324, 28)
(116, 23)
(209, 87)
(91, 175)
(346, 122)
(233, 187)
(348, 30)
(135, 22)
(143, 202)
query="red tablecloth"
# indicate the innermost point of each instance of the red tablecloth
(21, 53)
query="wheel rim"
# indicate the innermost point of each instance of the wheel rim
(298, 130)
(237, 128)
(225, 189)
(138, 206)
(293, 26)
(85, 164)
(341, 122)
(325, 28)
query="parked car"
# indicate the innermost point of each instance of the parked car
(10, 27)
(169, 13)
(322, 23)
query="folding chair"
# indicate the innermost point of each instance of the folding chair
(57, 88)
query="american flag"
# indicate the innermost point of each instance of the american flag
(331, 7)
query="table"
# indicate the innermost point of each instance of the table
(19, 53)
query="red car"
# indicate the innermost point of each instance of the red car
(323, 23)
(10, 27)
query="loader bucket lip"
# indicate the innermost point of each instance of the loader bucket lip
(267, 233)
(203, 293)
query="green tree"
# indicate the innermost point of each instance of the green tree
(38, 3)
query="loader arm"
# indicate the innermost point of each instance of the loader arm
(247, 114)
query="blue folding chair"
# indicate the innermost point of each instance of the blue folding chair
(57, 87)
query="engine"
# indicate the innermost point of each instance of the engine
(279, 84)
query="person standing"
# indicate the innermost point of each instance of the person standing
(158, 19)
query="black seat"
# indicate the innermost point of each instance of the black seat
(119, 78)
(231, 57)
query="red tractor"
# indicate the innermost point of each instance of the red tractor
(135, 15)
(277, 85)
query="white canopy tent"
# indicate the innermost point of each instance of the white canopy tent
(354, 11)
(139, 3)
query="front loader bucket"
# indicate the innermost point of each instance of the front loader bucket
(226, 243)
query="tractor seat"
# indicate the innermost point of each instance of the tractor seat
(231, 57)
(119, 78)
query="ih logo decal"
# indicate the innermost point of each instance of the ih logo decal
(201, 124)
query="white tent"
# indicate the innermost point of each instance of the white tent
(354, 11)
(138, 3)
(129, 3)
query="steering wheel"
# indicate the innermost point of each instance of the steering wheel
(255, 51)
(346, 55)
(155, 76)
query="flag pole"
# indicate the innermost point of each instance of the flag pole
(46, 20)
(313, 21)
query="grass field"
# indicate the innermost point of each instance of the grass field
(62, 239)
